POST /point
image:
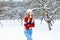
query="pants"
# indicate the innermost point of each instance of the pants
(28, 34)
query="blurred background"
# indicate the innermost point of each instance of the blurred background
(12, 13)
(16, 9)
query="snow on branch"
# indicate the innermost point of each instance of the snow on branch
(36, 8)
(56, 9)
(54, 12)
(10, 11)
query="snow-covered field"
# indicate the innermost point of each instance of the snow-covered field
(12, 30)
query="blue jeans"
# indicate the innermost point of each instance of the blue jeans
(28, 34)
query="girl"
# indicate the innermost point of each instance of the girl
(29, 24)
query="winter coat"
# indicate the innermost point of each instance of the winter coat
(28, 23)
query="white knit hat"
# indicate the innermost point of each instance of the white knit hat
(29, 10)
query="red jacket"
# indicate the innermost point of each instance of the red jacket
(29, 24)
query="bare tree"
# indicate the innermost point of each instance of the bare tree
(45, 10)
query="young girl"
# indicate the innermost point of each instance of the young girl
(29, 24)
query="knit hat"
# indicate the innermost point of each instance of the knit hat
(29, 10)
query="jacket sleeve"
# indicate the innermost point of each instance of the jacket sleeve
(25, 20)
(26, 23)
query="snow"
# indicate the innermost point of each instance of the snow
(13, 0)
(13, 30)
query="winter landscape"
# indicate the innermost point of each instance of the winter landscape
(12, 13)
(13, 30)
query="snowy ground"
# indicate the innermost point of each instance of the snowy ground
(11, 30)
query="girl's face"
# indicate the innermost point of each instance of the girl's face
(30, 14)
